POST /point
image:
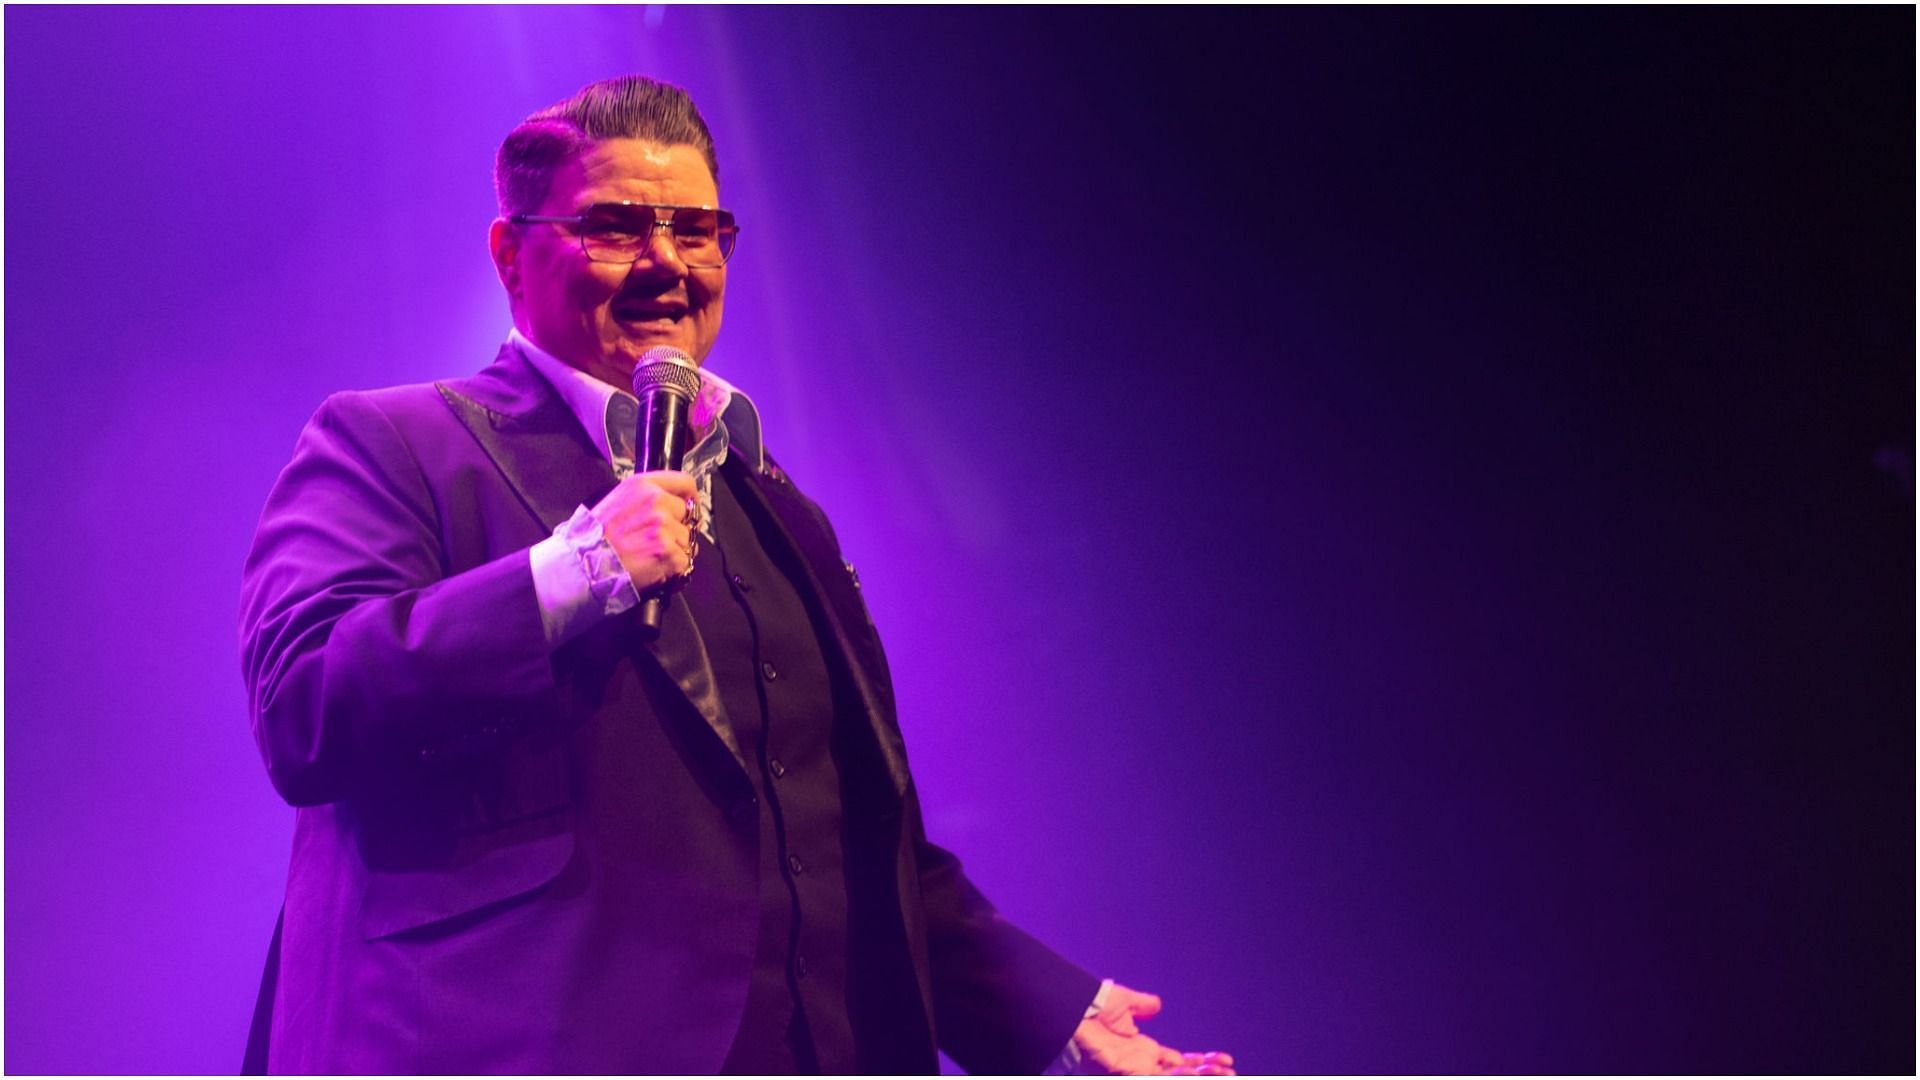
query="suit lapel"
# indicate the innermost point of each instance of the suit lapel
(538, 445)
(532, 437)
(682, 653)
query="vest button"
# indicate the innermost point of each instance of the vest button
(779, 770)
(800, 966)
(740, 583)
(767, 669)
(794, 864)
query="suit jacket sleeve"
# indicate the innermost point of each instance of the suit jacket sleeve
(362, 651)
(1003, 1002)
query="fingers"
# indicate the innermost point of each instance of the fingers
(1135, 1002)
(1106, 1049)
(649, 520)
(1125, 1005)
(672, 481)
(641, 489)
(1211, 1063)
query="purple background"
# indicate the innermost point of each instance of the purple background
(1395, 530)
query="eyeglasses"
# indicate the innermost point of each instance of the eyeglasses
(620, 232)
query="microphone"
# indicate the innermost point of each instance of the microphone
(665, 380)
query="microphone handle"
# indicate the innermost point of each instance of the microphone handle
(663, 435)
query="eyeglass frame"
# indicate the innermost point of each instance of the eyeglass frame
(724, 226)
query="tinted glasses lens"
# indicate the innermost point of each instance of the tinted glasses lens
(705, 237)
(613, 232)
(697, 234)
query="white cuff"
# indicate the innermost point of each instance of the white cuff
(578, 579)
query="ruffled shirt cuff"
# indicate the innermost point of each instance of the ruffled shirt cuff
(578, 579)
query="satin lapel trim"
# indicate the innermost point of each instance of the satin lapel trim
(800, 522)
(682, 653)
(532, 436)
(537, 444)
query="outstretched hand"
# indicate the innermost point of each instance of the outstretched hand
(1111, 1043)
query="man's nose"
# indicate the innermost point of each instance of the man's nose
(660, 250)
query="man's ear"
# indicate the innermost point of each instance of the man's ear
(503, 241)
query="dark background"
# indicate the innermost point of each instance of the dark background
(1395, 530)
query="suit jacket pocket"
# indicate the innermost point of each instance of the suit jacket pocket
(484, 869)
(461, 840)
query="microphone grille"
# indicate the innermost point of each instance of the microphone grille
(666, 368)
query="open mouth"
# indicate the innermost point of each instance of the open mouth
(640, 311)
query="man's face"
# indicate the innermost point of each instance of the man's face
(599, 317)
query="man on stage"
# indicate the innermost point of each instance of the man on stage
(533, 838)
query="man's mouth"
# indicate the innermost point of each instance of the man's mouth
(639, 311)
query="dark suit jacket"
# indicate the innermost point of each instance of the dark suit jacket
(510, 858)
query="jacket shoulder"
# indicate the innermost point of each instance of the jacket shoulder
(506, 386)
(408, 403)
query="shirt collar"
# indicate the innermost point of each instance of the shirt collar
(606, 411)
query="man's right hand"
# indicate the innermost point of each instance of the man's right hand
(648, 519)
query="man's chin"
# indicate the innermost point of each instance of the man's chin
(647, 338)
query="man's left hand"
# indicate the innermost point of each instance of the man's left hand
(1111, 1044)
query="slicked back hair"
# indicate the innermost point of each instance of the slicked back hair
(629, 107)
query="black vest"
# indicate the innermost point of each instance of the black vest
(811, 1006)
